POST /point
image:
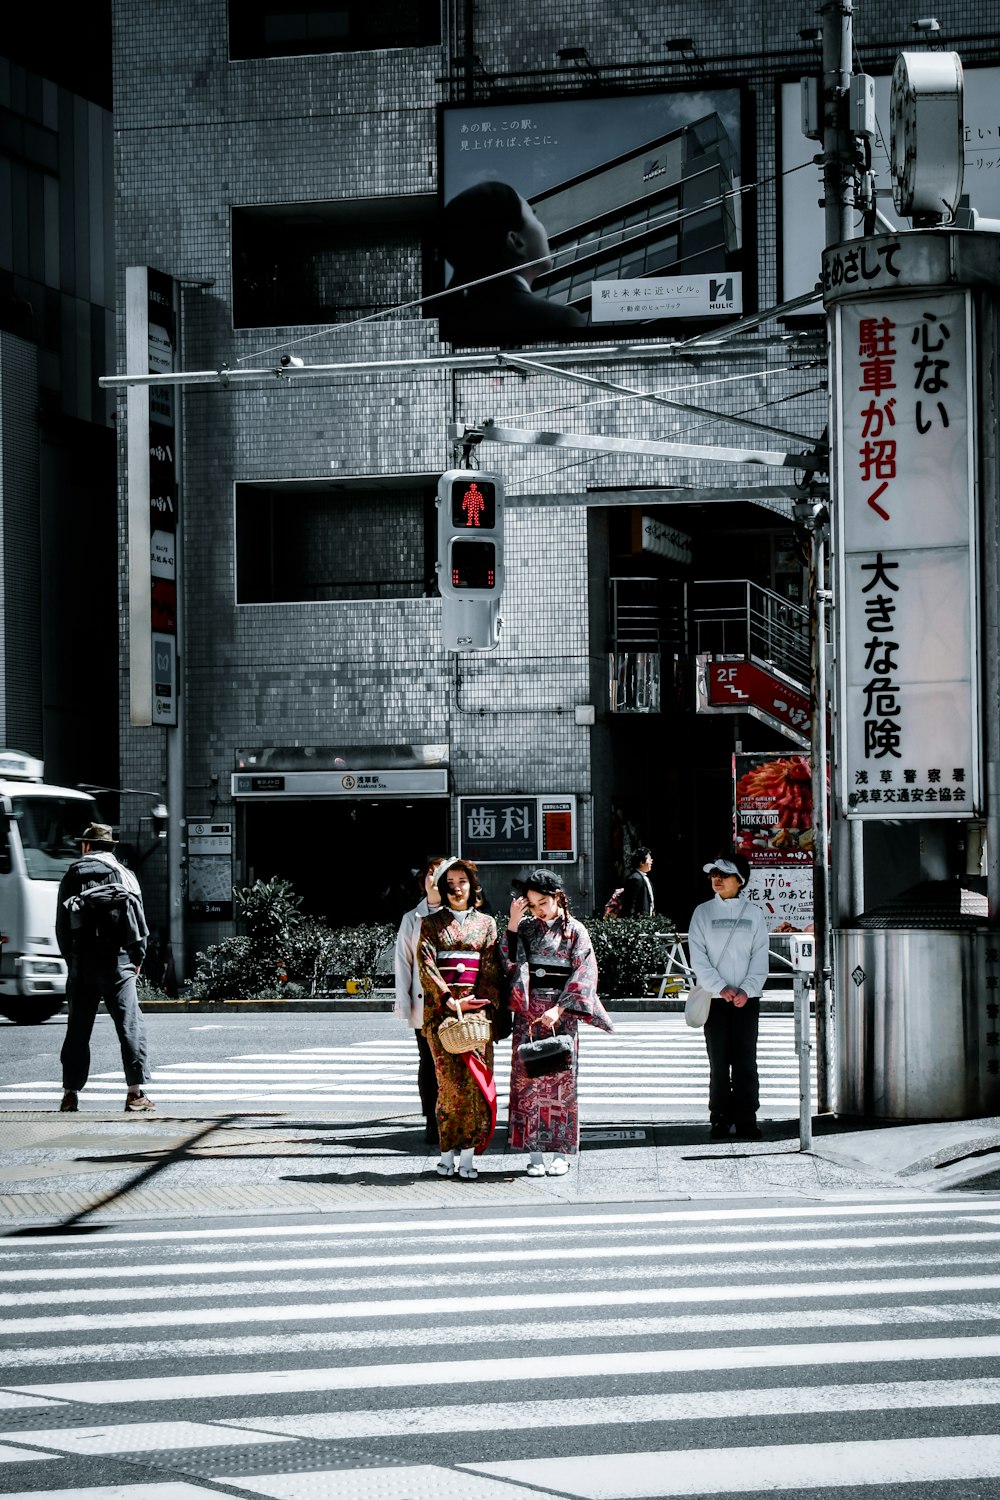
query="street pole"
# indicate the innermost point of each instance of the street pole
(838, 143)
(839, 177)
(821, 852)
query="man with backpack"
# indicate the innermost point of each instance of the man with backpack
(101, 931)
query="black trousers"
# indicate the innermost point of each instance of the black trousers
(427, 1084)
(731, 1041)
(91, 980)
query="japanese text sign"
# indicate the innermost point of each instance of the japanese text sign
(909, 701)
(517, 830)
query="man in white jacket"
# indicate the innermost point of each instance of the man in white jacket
(728, 946)
(409, 995)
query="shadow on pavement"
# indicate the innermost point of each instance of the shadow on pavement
(400, 1179)
(75, 1223)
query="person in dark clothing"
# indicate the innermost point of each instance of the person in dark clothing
(490, 228)
(102, 966)
(637, 892)
(728, 944)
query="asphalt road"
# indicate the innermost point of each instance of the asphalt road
(616, 1352)
(653, 1066)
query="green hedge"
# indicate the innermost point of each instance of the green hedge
(284, 952)
(627, 949)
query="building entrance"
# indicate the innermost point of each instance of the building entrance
(351, 861)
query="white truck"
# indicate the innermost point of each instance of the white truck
(39, 826)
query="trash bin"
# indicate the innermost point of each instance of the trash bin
(916, 1014)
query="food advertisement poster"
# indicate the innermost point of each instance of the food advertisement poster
(773, 817)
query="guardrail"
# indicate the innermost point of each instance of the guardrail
(676, 975)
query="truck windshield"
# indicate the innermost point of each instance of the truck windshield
(48, 827)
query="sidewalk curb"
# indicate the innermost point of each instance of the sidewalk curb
(347, 1006)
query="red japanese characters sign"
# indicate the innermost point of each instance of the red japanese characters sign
(909, 710)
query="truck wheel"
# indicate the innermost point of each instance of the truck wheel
(30, 1012)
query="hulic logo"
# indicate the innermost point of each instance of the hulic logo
(720, 291)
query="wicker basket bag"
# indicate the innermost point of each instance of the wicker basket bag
(465, 1033)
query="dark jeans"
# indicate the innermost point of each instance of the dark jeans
(91, 980)
(427, 1084)
(731, 1040)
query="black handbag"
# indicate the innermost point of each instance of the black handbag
(550, 1054)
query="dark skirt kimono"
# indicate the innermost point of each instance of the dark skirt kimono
(458, 960)
(547, 966)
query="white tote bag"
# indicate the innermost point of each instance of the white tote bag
(699, 1000)
(697, 1005)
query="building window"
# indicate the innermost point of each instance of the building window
(310, 263)
(293, 28)
(308, 541)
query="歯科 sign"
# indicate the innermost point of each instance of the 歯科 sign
(517, 830)
(909, 709)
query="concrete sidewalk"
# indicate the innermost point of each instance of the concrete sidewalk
(98, 1166)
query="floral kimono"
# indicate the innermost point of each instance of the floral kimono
(547, 966)
(456, 958)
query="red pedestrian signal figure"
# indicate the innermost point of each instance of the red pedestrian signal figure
(473, 504)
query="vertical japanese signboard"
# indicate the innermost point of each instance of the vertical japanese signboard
(909, 684)
(151, 345)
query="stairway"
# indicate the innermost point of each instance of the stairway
(753, 655)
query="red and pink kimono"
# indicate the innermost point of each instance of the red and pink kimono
(456, 959)
(551, 963)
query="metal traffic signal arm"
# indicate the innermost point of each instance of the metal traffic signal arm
(490, 432)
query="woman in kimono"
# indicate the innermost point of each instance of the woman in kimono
(456, 958)
(549, 961)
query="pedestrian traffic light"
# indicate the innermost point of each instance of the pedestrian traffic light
(470, 535)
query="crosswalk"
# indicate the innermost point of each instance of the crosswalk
(627, 1352)
(649, 1064)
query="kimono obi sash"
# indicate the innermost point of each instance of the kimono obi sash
(549, 973)
(458, 966)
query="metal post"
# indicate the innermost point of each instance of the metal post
(838, 143)
(803, 1046)
(176, 757)
(821, 847)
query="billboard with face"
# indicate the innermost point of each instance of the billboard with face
(576, 219)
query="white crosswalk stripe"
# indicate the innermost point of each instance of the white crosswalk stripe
(658, 1064)
(632, 1354)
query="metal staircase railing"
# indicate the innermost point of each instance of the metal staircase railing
(735, 617)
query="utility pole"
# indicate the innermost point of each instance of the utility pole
(838, 140)
(839, 161)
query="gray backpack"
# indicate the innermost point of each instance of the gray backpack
(106, 915)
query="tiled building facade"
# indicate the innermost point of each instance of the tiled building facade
(342, 146)
(57, 446)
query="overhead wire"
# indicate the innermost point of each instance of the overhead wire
(615, 236)
(669, 390)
